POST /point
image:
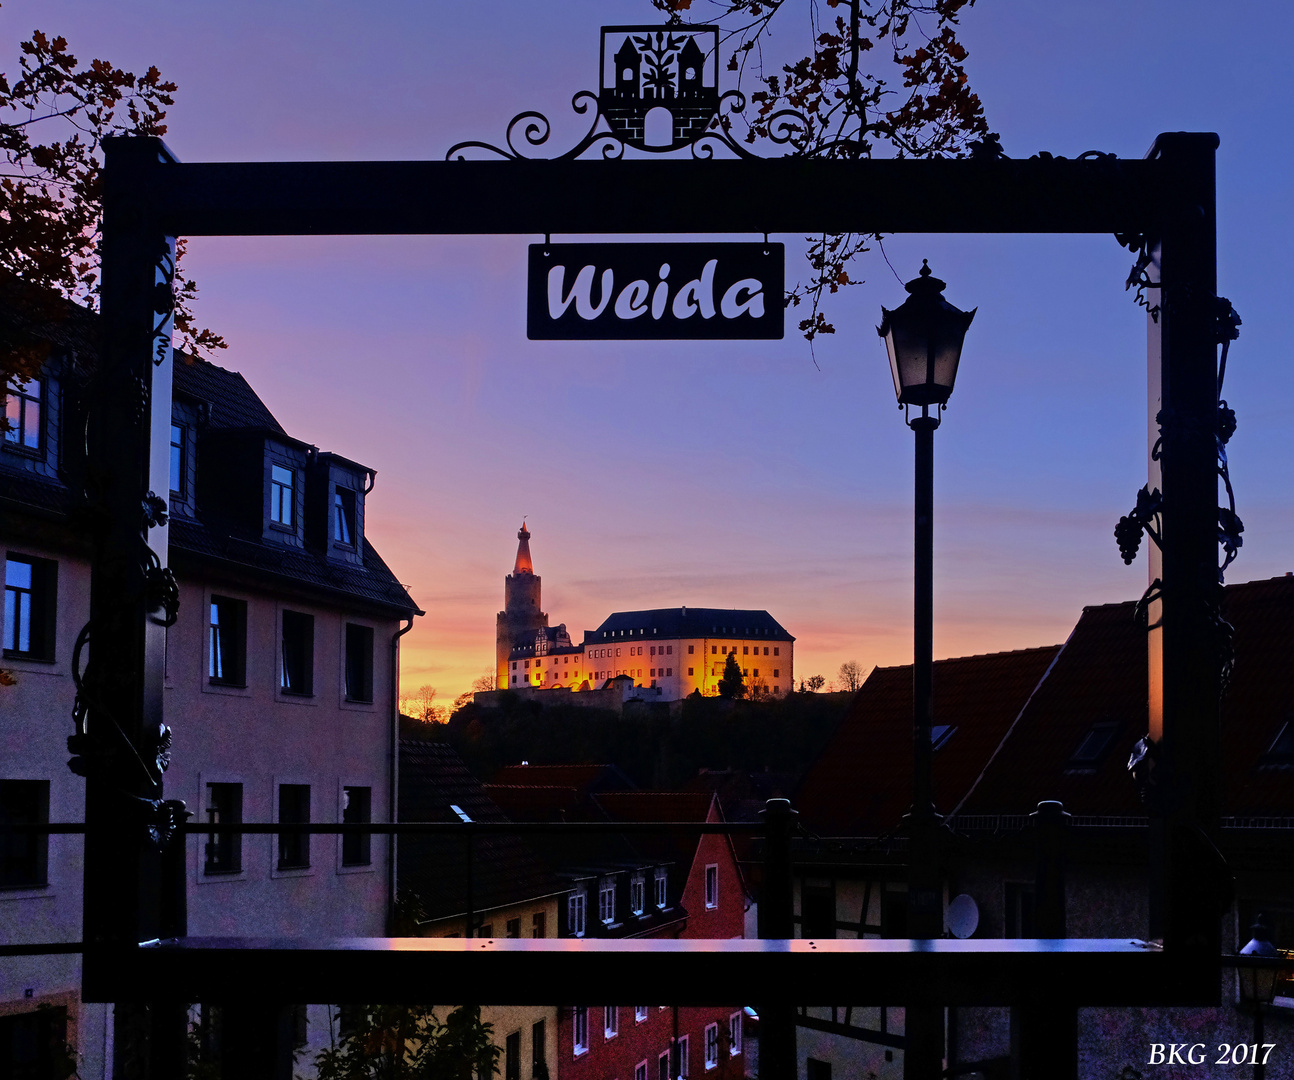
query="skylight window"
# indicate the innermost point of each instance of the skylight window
(940, 734)
(1094, 744)
(1281, 751)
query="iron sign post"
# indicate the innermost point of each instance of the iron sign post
(1167, 200)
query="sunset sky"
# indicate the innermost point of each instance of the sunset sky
(734, 474)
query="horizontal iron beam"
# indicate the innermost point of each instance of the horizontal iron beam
(546, 971)
(780, 195)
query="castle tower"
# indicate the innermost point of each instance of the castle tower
(521, 615)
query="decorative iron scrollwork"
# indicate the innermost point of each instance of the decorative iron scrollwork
(1144, 517)
(161, 591)
(155, 514)
(163, 303)
(659, 93)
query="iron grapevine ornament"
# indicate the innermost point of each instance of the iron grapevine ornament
(658, 92)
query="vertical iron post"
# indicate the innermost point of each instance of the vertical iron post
(777, 1056)
(470, 929)
(1044, 1039)
(923, 1054)
(128, 444)
(1185, 638)
(132, 891)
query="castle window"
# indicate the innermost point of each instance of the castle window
(691, 649)
(777, 673)
(669, 649)
(669, 671)
(757, 673)
(690, 671)
(714, 648)
(775, 650)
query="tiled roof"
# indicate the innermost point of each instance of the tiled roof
(28, 490)
(862, 782)
(1101, 676)
(583, 778)
(505, 870)
(674, 806)
(373, 582)
(233, 402)
(696, 623)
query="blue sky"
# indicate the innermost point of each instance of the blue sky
(731, 474)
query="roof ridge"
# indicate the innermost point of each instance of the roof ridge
(979, 656)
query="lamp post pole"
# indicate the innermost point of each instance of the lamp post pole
(923, 338)
(923, 1027)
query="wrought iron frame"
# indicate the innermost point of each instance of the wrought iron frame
(134, 887)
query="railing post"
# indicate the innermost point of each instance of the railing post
(1044, 1039)
(777, 1057)
(470, 931)
(256, 1042)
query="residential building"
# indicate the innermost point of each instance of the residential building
(676, 884)
(499, 888)
(1059, 723)
(671, 651)
(280, 679)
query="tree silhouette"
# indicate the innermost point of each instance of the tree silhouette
(397, 1042)
(51, 194)
(882, 73)
(851, 675)
(731, 684)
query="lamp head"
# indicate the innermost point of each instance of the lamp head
(923, 337)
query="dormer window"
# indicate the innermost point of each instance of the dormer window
(343, 516)
(22, 411)
(282, 482)
(177, 460)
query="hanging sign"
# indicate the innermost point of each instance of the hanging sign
(655, 292)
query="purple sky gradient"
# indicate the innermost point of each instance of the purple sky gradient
(732, 474)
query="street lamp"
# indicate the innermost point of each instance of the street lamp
(1258, 984)
(923, 337)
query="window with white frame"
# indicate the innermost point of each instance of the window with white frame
(22, 410)
(610, 1021)
(712, 886)
(640, 1071)
(661, 882)
(682, 1055)
(640, 1013)
(734, 1034)
(575, 914)
(580, 1029)
(282, 482)
(662, 1066)
(711, 1045)
(607, 901)
(637, 893)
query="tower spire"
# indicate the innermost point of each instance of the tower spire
(523, 564)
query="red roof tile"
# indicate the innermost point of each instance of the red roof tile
(1100, 676)
(862, 782)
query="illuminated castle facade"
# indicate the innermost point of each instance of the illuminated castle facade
(671, 651)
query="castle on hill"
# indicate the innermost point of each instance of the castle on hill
(668, 653)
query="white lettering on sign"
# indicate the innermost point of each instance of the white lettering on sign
(696, 297)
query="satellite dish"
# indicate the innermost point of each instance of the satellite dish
(962, 916)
